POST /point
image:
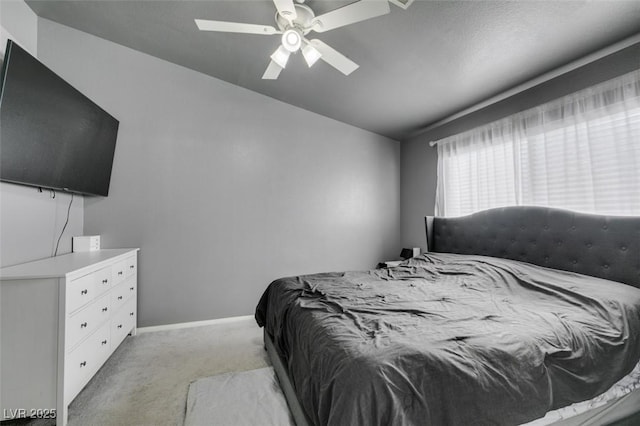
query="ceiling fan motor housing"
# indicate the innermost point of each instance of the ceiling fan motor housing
(303, 21)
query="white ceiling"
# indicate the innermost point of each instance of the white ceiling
(416, 66)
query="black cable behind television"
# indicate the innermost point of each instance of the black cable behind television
(51, 135)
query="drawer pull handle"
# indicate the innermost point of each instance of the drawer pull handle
(83, 363)
(85, 291)
(119, 297)
(119, 272)
(119, 325)
(105, 281)
(105, 309)
(83, 325)
(104, 342)
(132, 266)
(131, 314)
(131, 288)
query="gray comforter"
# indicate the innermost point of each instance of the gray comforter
(450, 339)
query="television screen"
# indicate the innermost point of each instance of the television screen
(51, 135)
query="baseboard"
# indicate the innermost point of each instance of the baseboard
(191, 324)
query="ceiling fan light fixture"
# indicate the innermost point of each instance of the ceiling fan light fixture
(311, 54)
(291, 40)
(281, 56)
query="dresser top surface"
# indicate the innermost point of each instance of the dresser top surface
(60, 266)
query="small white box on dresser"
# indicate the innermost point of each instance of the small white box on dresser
(85, 243)
(60, 320)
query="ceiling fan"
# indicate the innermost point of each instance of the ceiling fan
(294, 21)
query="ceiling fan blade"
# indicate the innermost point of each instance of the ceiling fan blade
(334, 58)
(286, 9)
(234, 27)
(272, 72)
(352, 13)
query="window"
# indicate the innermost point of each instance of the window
(580, 152)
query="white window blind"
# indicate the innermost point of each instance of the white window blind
(580, 152)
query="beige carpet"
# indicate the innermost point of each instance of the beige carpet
(146, 380)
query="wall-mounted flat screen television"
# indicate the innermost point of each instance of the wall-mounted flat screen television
(51, 135)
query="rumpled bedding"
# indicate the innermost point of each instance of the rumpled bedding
(447, 339)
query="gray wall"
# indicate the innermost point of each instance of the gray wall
(419, 160)
(31, 221)
(224, 189)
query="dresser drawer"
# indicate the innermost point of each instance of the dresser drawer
(124, 269)
(122, 292)
(84, 322)
(131, 267)
(103, 279)
(123, 322)
(102, 342)
(131, 288)
(80, 291)
(82, 363)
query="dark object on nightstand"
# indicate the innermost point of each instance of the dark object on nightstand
(406, 253)
(389, 264)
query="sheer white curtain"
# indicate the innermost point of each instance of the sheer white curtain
(580, 152)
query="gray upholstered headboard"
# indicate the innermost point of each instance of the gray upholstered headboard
(601, 246)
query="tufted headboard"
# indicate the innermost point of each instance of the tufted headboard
(601, 246)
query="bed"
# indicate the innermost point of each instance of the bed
(512, 313)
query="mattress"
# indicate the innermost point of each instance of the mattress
(626, 385)
(450, 339)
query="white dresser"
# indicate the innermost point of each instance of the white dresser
(60, 319)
